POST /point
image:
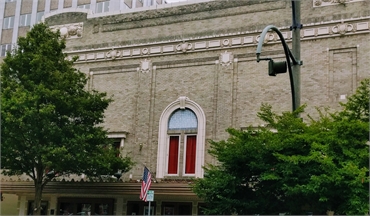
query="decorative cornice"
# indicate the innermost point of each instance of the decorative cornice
(221, 41)
(182, 13)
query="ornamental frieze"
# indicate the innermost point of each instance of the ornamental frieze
(182, 14)
(220, 42)
(69, 31)
(342, 28)
(113, 54)
(320, 3)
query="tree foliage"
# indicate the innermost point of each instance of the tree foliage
(291, 166)
(50, 124)
(357, 106)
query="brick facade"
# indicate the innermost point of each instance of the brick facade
(206, 52)
(204, 55)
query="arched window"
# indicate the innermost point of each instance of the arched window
(183, 119)
(182, 131)
(181, 140)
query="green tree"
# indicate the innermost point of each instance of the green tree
(51, 124)
(357, 106)
(324, 164)
(293, 166)
(234, 186)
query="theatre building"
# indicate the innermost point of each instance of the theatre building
(180, 74)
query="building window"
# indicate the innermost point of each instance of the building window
(181, 140)
(25, 20)
(188, 152)
(102, 7)
(118, 140)
(39, 16)
(182, 127)
(4, 49)
(8, 22)
(84, 6)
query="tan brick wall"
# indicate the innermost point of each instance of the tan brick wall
(230, 95)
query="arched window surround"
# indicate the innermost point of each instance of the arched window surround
(181, 103)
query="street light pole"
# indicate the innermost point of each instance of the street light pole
(294, 55)
(296, 49)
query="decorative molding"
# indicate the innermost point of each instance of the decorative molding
(145, 66)
(181, 102)
(362, 26)
(69, 31)
(116, 134)
(226, 58)
(342, 59)
(184, 13)
(168, 48)
(323, 30)
(145, 51)
(90, 56)
(268, 37)
(113, 54)
(126, 52)
(184, 47)
(135, 52)
(249, 39)
(221, 42)
(226, 42)
(342, 28)
(236, 41)
(82, 57)
(214, 43)
(131, 68)
(309, 32)
(321, 3)
(155, 49)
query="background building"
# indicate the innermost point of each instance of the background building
(179, 76)
(17, 16)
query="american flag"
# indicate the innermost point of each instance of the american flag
(145, 184)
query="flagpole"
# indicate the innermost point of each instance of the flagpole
(145, 186)
(149, 208)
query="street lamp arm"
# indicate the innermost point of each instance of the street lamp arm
(285, 46)
(288, 55)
